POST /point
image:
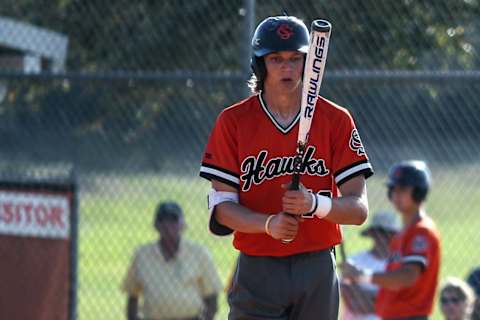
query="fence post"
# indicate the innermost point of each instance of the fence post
(249, 27)
(74, 222)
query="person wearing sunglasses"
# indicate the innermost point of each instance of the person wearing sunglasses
(456, 300)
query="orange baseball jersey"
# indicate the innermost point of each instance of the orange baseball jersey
(250, 151)
(419, 243)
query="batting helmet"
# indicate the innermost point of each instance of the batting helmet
(280, 33)
(474, 281)
(412, 173)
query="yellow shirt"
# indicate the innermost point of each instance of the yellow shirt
(174, 288)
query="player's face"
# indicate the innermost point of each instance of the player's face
(402, 199)
(284, 70)
(171, 229)
(453, 306)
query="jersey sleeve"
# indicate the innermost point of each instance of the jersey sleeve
(418, 248)
(349, 158)
(220, 159)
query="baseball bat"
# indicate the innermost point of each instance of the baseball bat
(312, 80)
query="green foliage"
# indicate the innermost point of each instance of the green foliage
(127, 117)
(208, 34)
(393, 34)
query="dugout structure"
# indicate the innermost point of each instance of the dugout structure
(38, 244)
(28, 49)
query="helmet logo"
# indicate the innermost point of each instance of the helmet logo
(284, 31)
(398, 174)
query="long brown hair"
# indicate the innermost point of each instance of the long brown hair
(255, 84)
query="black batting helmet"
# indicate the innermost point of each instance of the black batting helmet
(280, 33)
(411, 173)
(474, 281)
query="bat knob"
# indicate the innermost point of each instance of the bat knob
(321, 25)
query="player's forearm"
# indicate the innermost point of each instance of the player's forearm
(352, 206)
(348, 210)
(396, 279)
(239, 218)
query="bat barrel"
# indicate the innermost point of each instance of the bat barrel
(321, 25)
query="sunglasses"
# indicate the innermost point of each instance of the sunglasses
(444, 300)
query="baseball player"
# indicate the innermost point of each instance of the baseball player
(408, 285)
(249, 161)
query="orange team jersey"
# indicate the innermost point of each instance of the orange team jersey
(419, 243)
(250, 151)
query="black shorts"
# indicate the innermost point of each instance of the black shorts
(300, 287)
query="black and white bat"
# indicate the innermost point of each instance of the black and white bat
(312, 80)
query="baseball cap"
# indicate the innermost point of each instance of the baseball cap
(384, 220)
(168, 211)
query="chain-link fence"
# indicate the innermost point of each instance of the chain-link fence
(145, 81)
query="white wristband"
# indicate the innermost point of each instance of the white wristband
(366, 277)
(324, 205)
(314, 203)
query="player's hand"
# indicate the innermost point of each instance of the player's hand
(283, 226)
(297, 202)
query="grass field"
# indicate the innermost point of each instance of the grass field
(116, 215)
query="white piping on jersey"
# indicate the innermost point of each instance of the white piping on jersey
(353, 170)
(272, 118)
(419, 259)
(220, 174)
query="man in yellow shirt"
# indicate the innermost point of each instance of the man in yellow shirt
(175, 277)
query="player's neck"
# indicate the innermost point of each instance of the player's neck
(284, 104)
(413, 216)
(169, 249)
